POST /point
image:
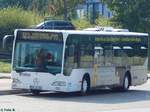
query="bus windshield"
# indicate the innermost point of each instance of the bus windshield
(38, 56)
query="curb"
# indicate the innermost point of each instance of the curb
(5, 77)
(9, 92)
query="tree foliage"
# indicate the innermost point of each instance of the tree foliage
(81, 23)
(13, 18)
(101, 21)
(132, 14)
(51, 7)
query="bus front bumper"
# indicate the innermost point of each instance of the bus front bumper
(57, 86)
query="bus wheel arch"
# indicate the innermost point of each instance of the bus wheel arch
(86, 84)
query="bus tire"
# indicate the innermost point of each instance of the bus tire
(85, 86)
(35, 92)
(125, 86)
(126, 83)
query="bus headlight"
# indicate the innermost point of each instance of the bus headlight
(59, 83)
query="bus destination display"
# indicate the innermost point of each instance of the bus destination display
(40, 36)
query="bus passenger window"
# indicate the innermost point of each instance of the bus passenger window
(69, 59)
(86, 55)
(139, 55)
(108, 53)
(120, 57)
(99, 55)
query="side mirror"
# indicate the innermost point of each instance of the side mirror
(7, 41)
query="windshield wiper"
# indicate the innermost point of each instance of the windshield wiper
(24, 69)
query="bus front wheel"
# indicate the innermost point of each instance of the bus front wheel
(85, 86)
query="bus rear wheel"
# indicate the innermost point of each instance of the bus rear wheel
(85, 86)
(125, 86)
(126, 83)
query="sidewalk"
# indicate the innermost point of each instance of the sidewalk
(5, 88)
(5, 85)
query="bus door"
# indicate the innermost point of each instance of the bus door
(106, 67)
(97, 77)
(103, 69)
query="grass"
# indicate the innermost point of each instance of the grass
(5, 66)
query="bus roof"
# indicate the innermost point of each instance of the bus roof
(87, 32)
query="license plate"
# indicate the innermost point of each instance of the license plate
(36, 87)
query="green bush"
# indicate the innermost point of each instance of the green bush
(81, 24)
(101, 21)
(5, 67)
(13, 18)
(105, 22)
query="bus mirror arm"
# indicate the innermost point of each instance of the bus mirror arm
(6, 39)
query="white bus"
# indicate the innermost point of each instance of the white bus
(69, 61)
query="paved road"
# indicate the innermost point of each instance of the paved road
(137, 99)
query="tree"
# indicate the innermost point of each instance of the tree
(11, 3)
(13, 18)
(65, 5)
(81, 23)
(104, 22)
(44, 7)
(132, 14)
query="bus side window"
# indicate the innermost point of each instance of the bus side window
(99, 55)
(108, 55)
(86, 55)
(77, 55)
(120, 58)
(69, 59)
(139, 55)
(69, 55)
